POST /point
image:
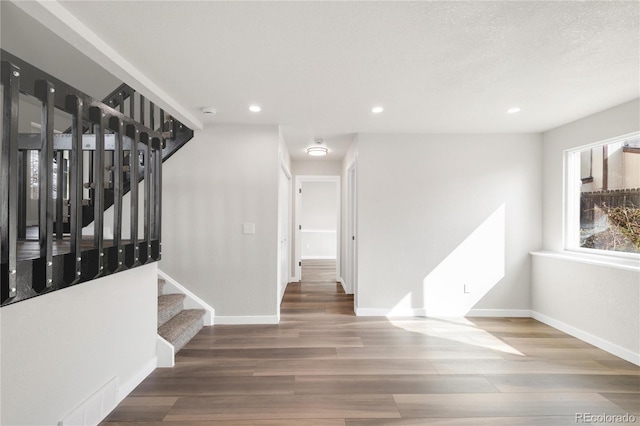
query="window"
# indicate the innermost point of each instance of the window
(34, 174)
(34, 170)
(603, 197)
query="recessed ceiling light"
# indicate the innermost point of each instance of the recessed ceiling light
(377, 109)
(255, 108)
(209, 111)
(513, 110)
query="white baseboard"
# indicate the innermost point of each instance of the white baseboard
(599, 342)
(390, 313)
(421, 312)
(247, 320)
(318, 257)
(191, 301)
(343, 284)
(281, 295)
(499, 313)
(312, 257)
(128, 387)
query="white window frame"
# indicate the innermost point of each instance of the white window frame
(571, 196)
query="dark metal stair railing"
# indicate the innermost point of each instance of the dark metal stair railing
(69, 260)
(174, 134)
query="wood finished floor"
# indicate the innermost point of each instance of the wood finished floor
(323, 366)
(29, 248)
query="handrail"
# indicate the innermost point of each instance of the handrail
(62, 258)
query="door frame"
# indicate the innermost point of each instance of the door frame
(298, 234)
(351, 240)
(280, 290)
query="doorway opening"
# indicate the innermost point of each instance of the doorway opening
(317, 225)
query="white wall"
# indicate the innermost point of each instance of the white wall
(58, 349)
(596, 300)
(225, 176)
(597, 303)
(437, 213)
(319, 220)
(319, 167)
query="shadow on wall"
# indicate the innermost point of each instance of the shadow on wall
(464, 277)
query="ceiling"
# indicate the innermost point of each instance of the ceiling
(318, 68)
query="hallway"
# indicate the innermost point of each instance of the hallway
(323, 366)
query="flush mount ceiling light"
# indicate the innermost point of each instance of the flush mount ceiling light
(513, 110)
(255, 108)
(209, 111)
(317, 150)
(377, 109)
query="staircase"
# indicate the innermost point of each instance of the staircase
(177, 325)
(110, 147)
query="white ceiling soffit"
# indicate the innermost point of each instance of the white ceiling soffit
(59, 20)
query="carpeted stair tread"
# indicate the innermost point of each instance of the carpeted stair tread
(181, 328)
(161, 283)
(169, 305)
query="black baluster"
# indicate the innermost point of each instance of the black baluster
(134, 164)
(46, 93)
(132, 104)
(10, 75)
(141, 110)
(60, 195)
(117, 125)
(98, 119)
(152, 116)
(157, 191)
(76, 107)
(121, 102)
(147, 194)
(24, 188)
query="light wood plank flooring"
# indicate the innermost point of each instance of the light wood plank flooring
(323, 366)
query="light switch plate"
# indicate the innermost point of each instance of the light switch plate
(248, 228)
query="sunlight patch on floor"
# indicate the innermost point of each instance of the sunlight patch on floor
(460, 330)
